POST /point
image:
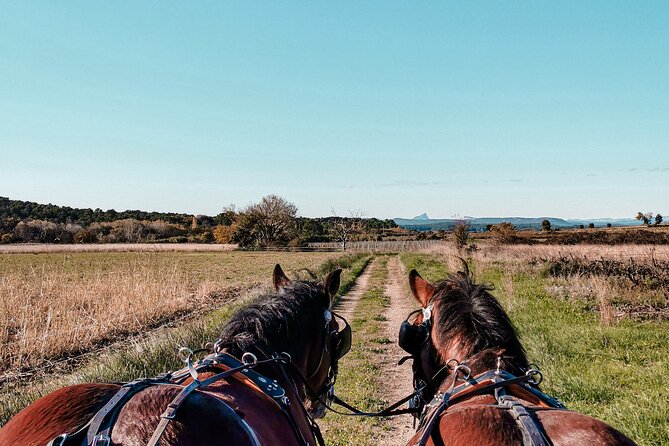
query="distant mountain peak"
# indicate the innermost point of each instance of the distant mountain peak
(422, 216)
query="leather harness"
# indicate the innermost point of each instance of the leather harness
(97, 432)
(508, 391)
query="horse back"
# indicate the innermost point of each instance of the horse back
(224, 414)
(567, 428)
(482, 423)
(64, 410)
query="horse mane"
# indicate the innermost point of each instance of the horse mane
(277, 321)
(472, 319)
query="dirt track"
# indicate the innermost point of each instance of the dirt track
(348, 302)
(397, 377)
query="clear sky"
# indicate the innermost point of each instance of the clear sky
(395, 108)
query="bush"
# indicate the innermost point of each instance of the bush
(504, 232)
(223, 234)
(461, 234)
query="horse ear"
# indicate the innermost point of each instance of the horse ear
(332, 282)
(422, 289)
(279, 278)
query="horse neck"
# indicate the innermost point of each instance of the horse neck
(282, 373)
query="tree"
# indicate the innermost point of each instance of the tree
(227, 216)
(591, 225)
(343, 228)
(461, 234)
(646, 218)
(267, 223)
(224, 234)
(658, 219)
(546, 225)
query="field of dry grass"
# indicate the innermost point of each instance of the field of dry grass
(38, 248)
(619, 282)
(55, 305)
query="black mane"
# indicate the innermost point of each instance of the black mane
(470, 315)
(277, 321)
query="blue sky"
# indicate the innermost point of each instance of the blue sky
(395, 108)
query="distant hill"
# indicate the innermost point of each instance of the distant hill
(421, 217)
(481, 223)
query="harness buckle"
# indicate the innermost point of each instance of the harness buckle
(101, 440)
(170, 413)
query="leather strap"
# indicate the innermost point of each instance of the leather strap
(475, 386)
(170, 412)
(100, 426)
(532, 434)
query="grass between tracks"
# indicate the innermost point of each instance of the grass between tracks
(617, 373)
(158, 352)
(359, 382)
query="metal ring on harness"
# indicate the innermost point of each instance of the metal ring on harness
(453, 360)
(466, 372)
(217, 346)
(532, 373)
(185, 354)
(249, 359)
(285, 357)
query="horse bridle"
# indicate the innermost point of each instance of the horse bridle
(412, 338)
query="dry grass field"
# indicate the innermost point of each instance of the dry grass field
(55, 305)
(619, 282)
(39, 248)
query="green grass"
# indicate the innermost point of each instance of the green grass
(359, 382)
(615, 373)
(150, 357)
(429, 267)
(352, 266)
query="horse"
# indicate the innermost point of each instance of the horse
(271, 372)
(474, 384)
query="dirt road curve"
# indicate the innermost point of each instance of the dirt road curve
(397, 377)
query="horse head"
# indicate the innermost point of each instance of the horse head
(296, 318)
(459, 322)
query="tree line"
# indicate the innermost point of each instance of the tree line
(273, 221)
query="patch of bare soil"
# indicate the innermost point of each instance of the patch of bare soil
(399, 378)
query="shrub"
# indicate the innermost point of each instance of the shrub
(461, 234)
(223, 234)
(504, 232)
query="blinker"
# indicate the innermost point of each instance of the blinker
(341, 340)
(411, 336)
